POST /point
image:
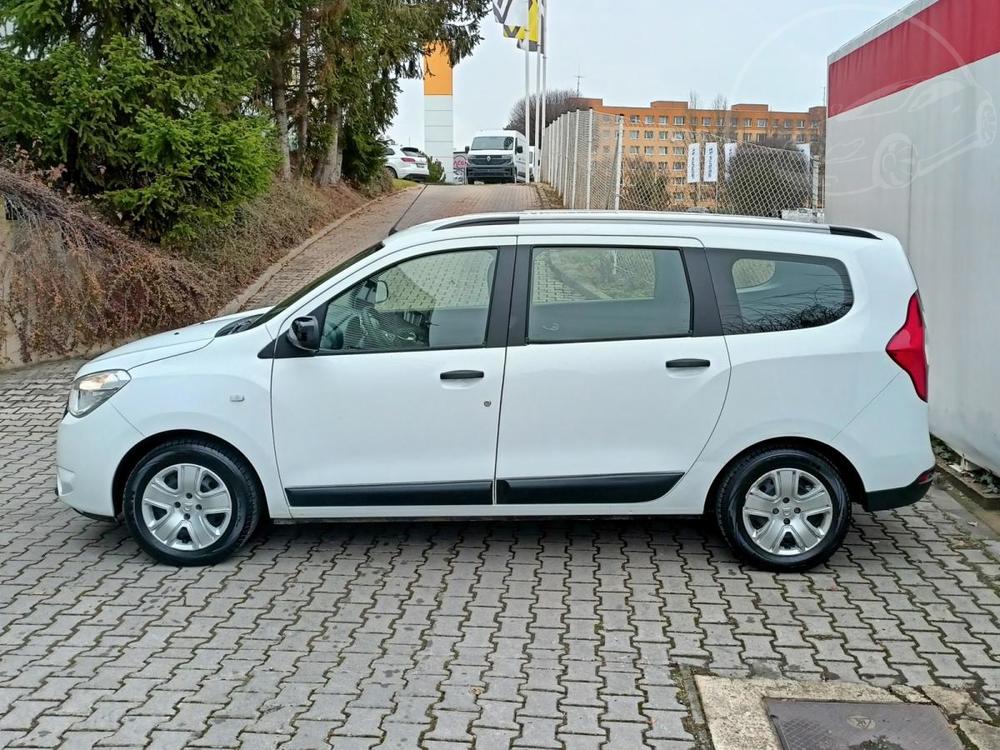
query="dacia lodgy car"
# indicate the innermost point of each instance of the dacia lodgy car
(766, 373)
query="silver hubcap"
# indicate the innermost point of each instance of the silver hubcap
(186, 507)
(787, 512)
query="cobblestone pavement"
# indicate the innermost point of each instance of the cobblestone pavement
(534, 634)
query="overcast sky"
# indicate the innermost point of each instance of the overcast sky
(631, 52)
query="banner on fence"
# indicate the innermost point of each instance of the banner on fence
(694, 162)
(729, 150)
(806, 149)
(711, 162)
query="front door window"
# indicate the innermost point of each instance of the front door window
(439, 301)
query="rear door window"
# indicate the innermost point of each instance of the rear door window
(763, 292)
(605, 293)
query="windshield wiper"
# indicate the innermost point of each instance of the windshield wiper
(237, 325)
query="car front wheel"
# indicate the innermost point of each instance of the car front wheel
(783, 509)
(191, 502)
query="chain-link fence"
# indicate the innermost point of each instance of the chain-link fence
(597, 161)
(586, 160)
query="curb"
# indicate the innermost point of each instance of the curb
(548, 199)
(236, 304)
(989, 501)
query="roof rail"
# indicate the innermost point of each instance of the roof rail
(853, 232)
(481, 221)
(652, 217)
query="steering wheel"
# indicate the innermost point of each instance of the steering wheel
(373, 335)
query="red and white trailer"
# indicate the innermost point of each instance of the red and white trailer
(912, 149)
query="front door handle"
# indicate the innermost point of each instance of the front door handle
(463, 375)
(687, 364)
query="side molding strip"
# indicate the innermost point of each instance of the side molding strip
(604, 488)
(374, 495)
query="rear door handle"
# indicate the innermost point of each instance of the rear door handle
(687, 364)
(463, 375)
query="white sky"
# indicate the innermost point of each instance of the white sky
(631, 52)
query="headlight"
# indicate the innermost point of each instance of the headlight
(90, 391)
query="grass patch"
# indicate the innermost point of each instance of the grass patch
(266, 227)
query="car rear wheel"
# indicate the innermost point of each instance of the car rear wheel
(783, 509)
(191, 502)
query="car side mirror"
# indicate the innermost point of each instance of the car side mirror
(466, 149)
(520, 149)
(304, 334)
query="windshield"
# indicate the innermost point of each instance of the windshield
(279, 308)
(492, 143)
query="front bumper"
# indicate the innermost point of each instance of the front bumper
(899, 497)
(480, 172)
(88, 451)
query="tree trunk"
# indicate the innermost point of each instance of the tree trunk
(280, 106)
(327, 171)
(302, 106)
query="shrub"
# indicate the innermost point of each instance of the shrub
(364, 156)
(436, 170)
(72, 283)
(265, 227)
(136, 134)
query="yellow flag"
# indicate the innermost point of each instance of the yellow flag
(531, 34)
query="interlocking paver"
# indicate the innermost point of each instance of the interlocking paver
(480, 635)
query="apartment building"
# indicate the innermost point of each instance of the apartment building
(660, 134)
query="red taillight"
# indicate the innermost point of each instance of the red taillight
(409, 160)
(907, 347)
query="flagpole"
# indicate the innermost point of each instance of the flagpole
(543, 95)
(543, 51)
(538, 95)
(527, 106)
(538, 111)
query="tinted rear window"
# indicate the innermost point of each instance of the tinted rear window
(761, 292)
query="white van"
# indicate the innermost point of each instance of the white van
(497, 156)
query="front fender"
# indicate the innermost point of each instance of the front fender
(219, 391)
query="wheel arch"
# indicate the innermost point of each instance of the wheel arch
(136, 452)
(855, 485)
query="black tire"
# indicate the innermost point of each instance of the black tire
(392, 173)
(246, 498)
(741, 477)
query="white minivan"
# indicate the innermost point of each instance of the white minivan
(765, 373)
(497, 156)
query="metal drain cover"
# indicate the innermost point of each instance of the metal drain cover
(822, 725)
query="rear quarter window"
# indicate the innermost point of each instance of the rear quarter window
(766, 292)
